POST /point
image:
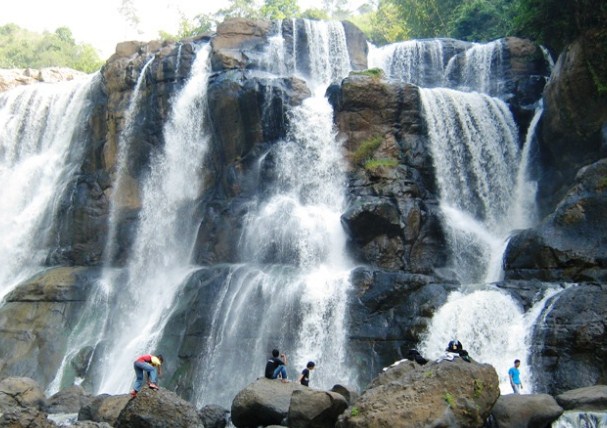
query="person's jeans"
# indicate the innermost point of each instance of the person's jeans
(516, 387)
(141, 367)
(280, 370)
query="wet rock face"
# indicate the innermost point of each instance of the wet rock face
(570, 243)
(571, 345)
(389, 311)
(572, 126)
(392, 218)
(38, 316)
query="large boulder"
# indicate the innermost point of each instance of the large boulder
(214, 416)
(36, 319)
(439, 394)
(20, 393)
(68, 400)
(158, 409)
(25, 418)
(590, 398)
(239, 43)
(311, 408)
(104, 408)
(533, 410)
(263, 402)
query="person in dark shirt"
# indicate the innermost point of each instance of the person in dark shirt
(276, 367)
(304, 377)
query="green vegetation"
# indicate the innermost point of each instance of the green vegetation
(355, 412)
(376, 73)
(366, 150)
(448, 397)
(478, 388)
(20, 48)
(428, 374)
(375, 164)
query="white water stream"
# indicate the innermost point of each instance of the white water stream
(39, 154)
(289, 292)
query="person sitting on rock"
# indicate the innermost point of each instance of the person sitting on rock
(304, 377)
(455, 346)
(150, 364)
(276, 367)
(455, 349)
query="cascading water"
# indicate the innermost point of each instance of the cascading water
(482, 179)
(39, 127)
(289, 292)
(473, 141)
(128, 311)
(572, 419)
(89, 331)
(159, 258)
(481, 70)
(419, 62)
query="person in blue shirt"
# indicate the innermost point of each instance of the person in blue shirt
(515, 377)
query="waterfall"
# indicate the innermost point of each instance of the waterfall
(289, 291)
(573, 419)
(126, 314)
(39, 155)
(159, 259)
(481, 71)
(473, 141)
(492, 327)
(88, 333)
(419, 62)
(485, 192)
(328, 53)
(123, 186)
(524, 211)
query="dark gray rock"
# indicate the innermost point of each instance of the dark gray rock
(104, 408)
(312, 408)
(570, 244)
(389, 312)
(349, 393)
(264, 402)
(590, 398)
(570, 346)
(68, 400)
(572, 123)
(214, 416)
(529, 410)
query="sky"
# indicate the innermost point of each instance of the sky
(99, 22)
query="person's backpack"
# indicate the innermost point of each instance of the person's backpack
(270, 367)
